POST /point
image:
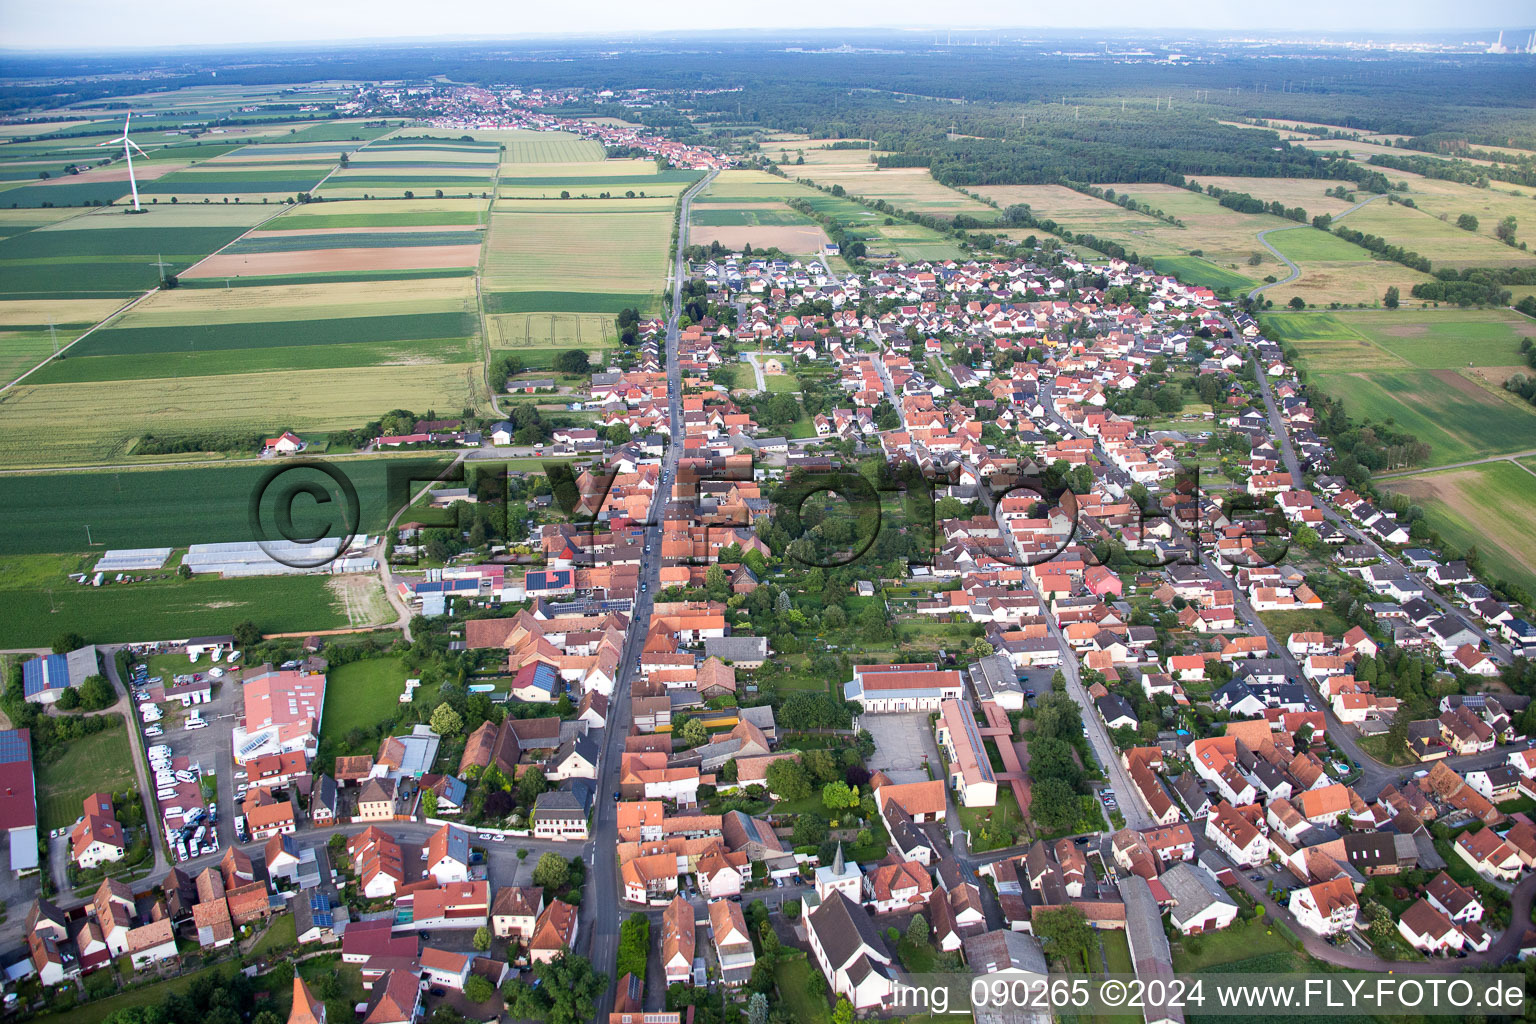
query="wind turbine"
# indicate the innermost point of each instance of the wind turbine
(127, 153)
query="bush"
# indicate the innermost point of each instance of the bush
(478, 990)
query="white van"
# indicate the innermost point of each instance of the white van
(195, 723)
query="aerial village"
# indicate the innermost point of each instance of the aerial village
(1084, 695)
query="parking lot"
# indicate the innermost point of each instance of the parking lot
(194, 753)
(903, 744)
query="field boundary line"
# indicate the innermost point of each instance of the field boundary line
(1514, 457)
(135, 301)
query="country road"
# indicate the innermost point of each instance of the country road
(1263, 238)
(1511, 457)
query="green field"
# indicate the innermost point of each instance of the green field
(167, 609)
(1490, 507)
(100, 257)
(1197, 271)
(1307, 244)
(49, 512)
(1458, 419)
(361, 694)
(1433, 373)
(574, 262)
(708, 217)
(99, 763)
(288, 333)
(275, 358)
(268, 242)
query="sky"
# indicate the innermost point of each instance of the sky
(75, 25)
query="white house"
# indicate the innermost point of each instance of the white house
(1327, 908)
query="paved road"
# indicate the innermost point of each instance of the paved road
(1501, 652)
(604, 882)
(1263, 238)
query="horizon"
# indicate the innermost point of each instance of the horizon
(94, 28)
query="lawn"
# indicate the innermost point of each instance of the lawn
(99, 763)
(281, 934)
(781, 383)
(362, 694)
(1490, 506)
(793, 978)
(101, 1009)
(1243, 941)
(1283, 624)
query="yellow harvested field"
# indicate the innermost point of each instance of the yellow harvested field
(325, 261)
(201, 301)
(1349, 282)
(66, 424)
(11, 131)
(425, 156)
(1304, 192)
(579, 169)
(22, 312)
(281, 228)
(552, 330)
(1364, 150)
(188, 307)
(618, 252)
(798, 240)
(618, 204)
(35, 218)
(368, 207)
(907, 188)
(669, 189)
(166, 215)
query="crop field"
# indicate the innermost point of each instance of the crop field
(382, 213)
(99, 763)
(525, 147)
(210, 181)
(514, 171)
(291, 240)
(1455, 416)
(168, 609)
(906, 188)
(1444, 244)
(194, 306)
(575, 260)
(350, 259)
(552, 330)
(75, 424)
(1447, 200)
(1307, 193)
(613, 188)
(336, 342)
(1306, 245)
(1490, 507)
(915, 242)
(1202, 272)
(1223, 238)
(48, 512)
(96, 257)
(1439, 339)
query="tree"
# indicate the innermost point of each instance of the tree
(837, 796)
(1053, 805)
(917, 931)
(1390, 300)
(842, 1013)
(1504, 231)
(66, 642)
(810, 830)
(247, 634)
(552, 872)
(1467, 222)
(1065, 935)
(1297, 302)
(478, 989)
(572, 360)
(429, 803)
(69, 700)
(97, 693)
(530, 784)
(787, 780)
(757, 1009)
(446, 721)
(694, 733)
(572, 986)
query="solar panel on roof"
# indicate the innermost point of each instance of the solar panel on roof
(320, 909)
(13, 747)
